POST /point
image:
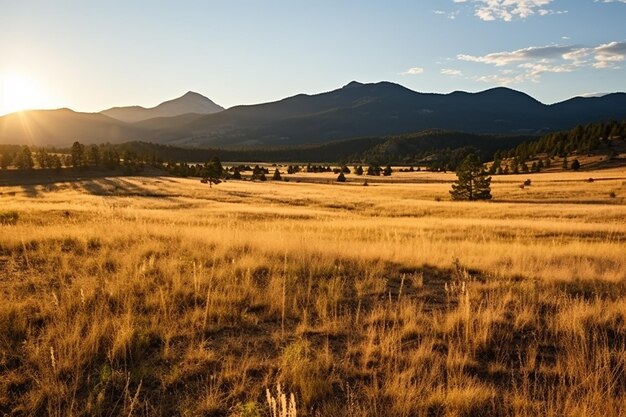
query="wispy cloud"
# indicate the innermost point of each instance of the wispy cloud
(452, 72)
(450, 15)
(509, 10)
(413, 71)
(528, 64)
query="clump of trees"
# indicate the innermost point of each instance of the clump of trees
(473, 182)
(78, 156)
(580, 140)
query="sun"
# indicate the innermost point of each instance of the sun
(21, 92)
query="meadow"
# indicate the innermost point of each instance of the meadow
(144, 296)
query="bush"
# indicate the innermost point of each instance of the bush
(9, 217)
(527, 182)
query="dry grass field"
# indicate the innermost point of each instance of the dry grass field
(159, 296)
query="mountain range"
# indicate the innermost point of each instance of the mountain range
(355, 110)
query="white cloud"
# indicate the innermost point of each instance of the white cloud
(500, 59)
(610, 54)
(508, 10)
(452, 72)
(413, 71)
(610, 1)
(528, 64)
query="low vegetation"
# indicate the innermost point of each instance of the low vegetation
(159, 296)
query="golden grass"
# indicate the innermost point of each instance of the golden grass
(139, 296)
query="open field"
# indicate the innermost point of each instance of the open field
(160, 296)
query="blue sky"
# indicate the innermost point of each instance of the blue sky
(93, 55)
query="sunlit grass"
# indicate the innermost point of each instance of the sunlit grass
(159, 296)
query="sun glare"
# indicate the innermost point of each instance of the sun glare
(21, 92)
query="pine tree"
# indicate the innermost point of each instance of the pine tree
(276, 176)
(236, 174)
(94, 156)
(575, 165)
(387, 171)
(212, 172)
(25, 159)
(6, 160)
(78, 155)
(473, 183)
(341, 177)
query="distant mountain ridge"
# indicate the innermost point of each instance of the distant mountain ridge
(355, 110)
(188, 103)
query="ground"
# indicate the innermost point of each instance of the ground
(160, 296)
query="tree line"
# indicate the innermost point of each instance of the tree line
(580, 140)
(78, 156)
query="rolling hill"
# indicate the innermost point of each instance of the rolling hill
(62, 127)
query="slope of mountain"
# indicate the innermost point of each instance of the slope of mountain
(428, 147)
(189, 103)
(386, 109)
(62, 127)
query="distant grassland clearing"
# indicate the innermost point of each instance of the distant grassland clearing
(160, 296)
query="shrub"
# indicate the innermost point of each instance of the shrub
(9, 217)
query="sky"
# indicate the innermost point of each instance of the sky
(90, 56)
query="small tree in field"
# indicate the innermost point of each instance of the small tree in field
(473, 183)
(341, 177)
(212, 172)
(575, 165)
(276, 176)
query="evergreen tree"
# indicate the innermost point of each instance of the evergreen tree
(473, 183)
(276, 176)
(565, 164)
(575, 165)
(358, 170)
(55, 163)
(387, 171)
(373, 170)
(42, 158)
(25, 159)
(78, 155)
(93, 156)
(213, 171)
(6, 160)
(236, 174)
(341, 177)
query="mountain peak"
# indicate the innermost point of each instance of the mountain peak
(353, 84)
(190, 102)
(192, 94)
